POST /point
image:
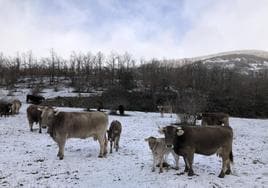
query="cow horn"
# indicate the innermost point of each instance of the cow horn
(56, 112)
(161, 130)
(180, 131)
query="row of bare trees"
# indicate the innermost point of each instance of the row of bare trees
(191, 88)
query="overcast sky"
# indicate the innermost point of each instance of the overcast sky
(144, 28)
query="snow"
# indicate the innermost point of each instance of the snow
(28, 159)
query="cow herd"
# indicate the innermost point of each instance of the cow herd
(215, 136)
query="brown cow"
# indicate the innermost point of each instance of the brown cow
(34, 116)
(214, 119)
(64, 125)
(15, 108)
(160, 152)
(207, 140)
(114, 135)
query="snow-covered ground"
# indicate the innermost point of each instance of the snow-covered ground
(28, 159)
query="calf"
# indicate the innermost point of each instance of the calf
(15, 108)
(114, 133)
(160, 151)
(207, 140)
(34, 116)
(214, 119)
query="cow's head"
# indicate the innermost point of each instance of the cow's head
(170, 132)
(151, 141)
(199, 116)
(112, 134)
(47, 115)
(9, 107)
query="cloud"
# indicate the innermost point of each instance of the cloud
(143, 28)
(228, 25)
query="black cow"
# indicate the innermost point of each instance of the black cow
(5, 108)
(34, 99)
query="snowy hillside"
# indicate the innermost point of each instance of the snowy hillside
(28, 159)
(243, 61)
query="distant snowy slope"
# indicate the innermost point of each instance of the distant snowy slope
(244, 61)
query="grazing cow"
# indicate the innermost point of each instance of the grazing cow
(15, 108)
(5, 108)
(165, 109)
(34, 99)
(160, 151)
(34, 116)
(207, 140)
(214, 119)
(64, 125)
(114, 135)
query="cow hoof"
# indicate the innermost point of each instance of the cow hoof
(161, 171)
(228, 171)
(100, 156)
(61, 157)
(31, 130)
(191, 173)
(221, 175)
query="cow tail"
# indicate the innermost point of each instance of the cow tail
(231, 157)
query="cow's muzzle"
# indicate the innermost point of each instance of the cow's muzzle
(43, 126)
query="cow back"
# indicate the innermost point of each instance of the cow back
(204, 140)
(79, 124)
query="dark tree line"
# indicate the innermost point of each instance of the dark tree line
(191, 88)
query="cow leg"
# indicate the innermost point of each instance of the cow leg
(105, 145)
(40, 128)
(225, 163)
(103, 149)
(228, 171)
(111, 146)
(154, 163)
(189, 161)
(31, 126)
(186, 169)
(61, 144)
(176, 157)
(161, 163)
(117, 143)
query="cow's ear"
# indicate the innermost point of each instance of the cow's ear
(180, 131)
(146, 139)
(161, 130)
